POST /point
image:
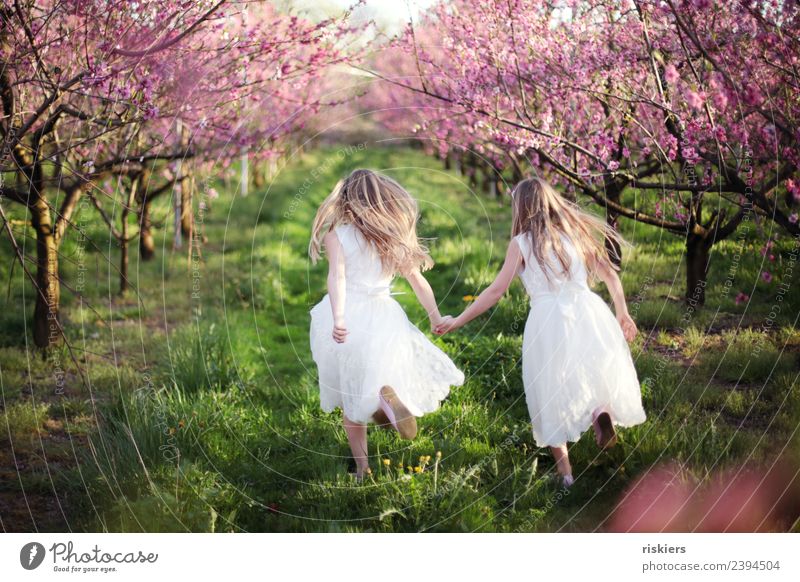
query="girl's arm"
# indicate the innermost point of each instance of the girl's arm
(424, 293)
(609, 276)
(336, 284)
(492, 294)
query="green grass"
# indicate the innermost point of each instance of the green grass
(201, 411)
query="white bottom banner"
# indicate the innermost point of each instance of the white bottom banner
(400, 556)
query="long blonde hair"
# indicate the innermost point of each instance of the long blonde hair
(382, 211)
(543, 215)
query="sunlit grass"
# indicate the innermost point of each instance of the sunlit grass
(208, 411)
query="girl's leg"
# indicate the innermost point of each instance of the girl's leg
(561, 457)
(357, 437)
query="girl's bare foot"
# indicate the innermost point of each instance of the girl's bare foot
(563, 466)
(360, 474)
(381, 420)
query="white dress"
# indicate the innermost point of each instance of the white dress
(574, 356)
(383, 347)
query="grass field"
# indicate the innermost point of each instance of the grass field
(201, 412)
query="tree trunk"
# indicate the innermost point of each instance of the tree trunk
(245, 173)
(259, 174)
(187, 215)
(147, 244)
(46, 330)
(698, 248)
(123, 239)
(613, 249)
(123, 266)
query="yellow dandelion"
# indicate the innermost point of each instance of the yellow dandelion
(418, 469)
(468, 298)
(400, 465)
(438, 454)
(387, 462)
(427, 458)
(422, 459)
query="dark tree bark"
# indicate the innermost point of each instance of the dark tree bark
(124, 239)
(147, 244)
(187, 214)
(698, 247)
(48, 297)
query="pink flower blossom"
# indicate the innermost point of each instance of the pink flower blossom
(752, 95)
(695, 99)
(793, 187)
(672, 147)
(720, 100)
(766, 276)
(670, 73)
(742, 298)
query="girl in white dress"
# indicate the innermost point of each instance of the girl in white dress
(373, 362)
(576, 364)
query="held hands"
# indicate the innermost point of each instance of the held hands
(447, 324)
(628, 326)
(339, 332)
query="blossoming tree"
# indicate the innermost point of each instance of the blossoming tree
(93, 90)
(690, 105)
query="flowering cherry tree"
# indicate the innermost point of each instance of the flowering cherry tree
(691, 105)
(95, 90)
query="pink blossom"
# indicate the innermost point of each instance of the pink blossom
(670, 73)
(672, 147)
(720, 100)
(793, 218)
(742, 298)
(695, 99)
(793, 187)
(752, 96)
(766, 276)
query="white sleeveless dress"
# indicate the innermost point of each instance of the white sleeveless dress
(382, 348)
(574, 356)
